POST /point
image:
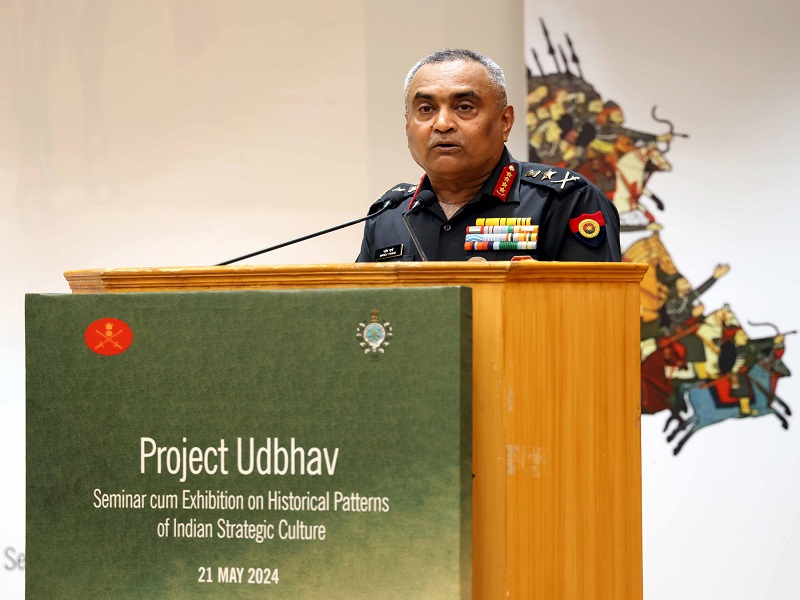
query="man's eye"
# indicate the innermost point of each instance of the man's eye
(425, 109)
(464, 107)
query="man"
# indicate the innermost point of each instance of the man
(612, 134)
(684, 316)
(738, 354)
(482, 204)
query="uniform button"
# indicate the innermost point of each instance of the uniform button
(447, 227)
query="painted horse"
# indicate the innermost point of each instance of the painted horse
(709, 409)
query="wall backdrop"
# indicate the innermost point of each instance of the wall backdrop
(187, 132)
(181, 132)
(721, 517)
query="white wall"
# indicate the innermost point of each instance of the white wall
(183, 133)
(180, 132)
(721, 520)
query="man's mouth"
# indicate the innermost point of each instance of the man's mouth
(446, 146)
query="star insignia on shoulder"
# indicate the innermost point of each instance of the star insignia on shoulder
(398, 189)
(532, 173)
(413, 188)
(549, 174)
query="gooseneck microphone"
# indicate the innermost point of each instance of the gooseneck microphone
(424, 199)
(390, 200)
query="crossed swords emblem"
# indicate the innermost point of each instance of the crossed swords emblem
(108, 337)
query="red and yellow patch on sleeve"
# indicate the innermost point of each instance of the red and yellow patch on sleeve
(588, 226)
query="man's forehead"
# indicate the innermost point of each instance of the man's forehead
(450, 78)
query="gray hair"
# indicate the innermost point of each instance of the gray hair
(493, 70)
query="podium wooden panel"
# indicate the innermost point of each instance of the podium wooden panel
(556, 413)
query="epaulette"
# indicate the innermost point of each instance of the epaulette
(561, 181)
(407, 189)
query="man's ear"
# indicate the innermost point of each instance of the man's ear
(507, 121)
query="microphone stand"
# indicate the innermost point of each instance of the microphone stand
(414, 237)
(425, 198)
(390, 203)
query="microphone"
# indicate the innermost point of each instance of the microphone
(424, 199)
(390, 200)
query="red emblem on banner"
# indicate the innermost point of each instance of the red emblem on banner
(108, 336)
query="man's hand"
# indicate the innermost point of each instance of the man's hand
(721, 270)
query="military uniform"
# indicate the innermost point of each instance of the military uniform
(523, 209)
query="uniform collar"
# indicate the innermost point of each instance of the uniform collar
(499, 185)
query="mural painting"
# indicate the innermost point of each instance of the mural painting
(700, 367)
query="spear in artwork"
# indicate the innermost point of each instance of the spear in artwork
(550, 50)
(575, 60)
(536, 60)
(564, 58)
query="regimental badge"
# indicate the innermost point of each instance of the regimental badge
(588, 227)
(108, 336)
(374, 336)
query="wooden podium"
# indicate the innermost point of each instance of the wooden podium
(557, 498)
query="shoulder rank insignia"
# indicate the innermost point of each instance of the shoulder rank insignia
(403, 188)
(374, 336)
(588, 228)
(557, 179)
(567, 178)
(504, 182)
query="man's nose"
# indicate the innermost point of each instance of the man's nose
(445, 120)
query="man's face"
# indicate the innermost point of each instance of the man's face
(455, 128)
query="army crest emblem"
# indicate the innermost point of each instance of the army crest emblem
(108, 336)
(374, 336)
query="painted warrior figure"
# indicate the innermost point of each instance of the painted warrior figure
(683, 315)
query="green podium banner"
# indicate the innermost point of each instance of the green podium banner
(260, 444)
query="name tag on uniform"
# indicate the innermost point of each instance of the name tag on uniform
(390, 252)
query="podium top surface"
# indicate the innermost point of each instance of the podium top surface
(165, 279)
